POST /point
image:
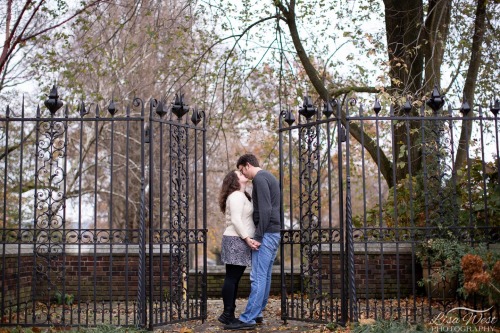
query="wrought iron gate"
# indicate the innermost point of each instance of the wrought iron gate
(177, 204)
(353, 231)
(103, 218)
(313, 288)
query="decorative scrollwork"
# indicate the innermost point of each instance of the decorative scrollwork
(310, 234)
(137, 102)
(49, 234)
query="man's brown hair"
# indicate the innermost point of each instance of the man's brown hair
(247, 158)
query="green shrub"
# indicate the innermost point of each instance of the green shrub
(387, 326)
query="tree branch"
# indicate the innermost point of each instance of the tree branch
(317, 82)
(12, 42)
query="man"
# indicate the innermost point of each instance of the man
(265, 243)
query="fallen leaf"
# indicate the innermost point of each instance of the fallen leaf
(367, 321)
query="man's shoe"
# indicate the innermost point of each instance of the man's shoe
(239, 325)
(259, 320)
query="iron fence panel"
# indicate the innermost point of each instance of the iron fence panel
(86, 238)
(366, 191)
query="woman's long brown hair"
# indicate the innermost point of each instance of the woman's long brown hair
(230, 184)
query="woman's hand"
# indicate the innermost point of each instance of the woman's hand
(253, 244)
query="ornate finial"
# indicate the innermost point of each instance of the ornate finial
(53, 103)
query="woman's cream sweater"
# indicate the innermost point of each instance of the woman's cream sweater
(239, 220)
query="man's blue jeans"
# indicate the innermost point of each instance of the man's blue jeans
(260, 277)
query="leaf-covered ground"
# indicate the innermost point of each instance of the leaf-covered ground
(272, 321)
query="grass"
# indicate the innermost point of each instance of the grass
(386, 326)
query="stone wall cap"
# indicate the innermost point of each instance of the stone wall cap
(371, 248)
(84, 249)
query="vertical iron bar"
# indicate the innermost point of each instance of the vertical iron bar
(177, 218)
(79, 238)
(395, 196)
(160, 226)
(453, 169)
(284, 313)
(282, 213)
(35, 221)
(305, 253)
(350, 239)
(365, 222)
(141, 284)
(188, 254)
(19, 227)
(140, 312)
(178, 207)
(308, 186)
(65, 167)
(96, 177)
(110, 218)
(483, 169)
(204, 212)
(343, 302)
(170, 219)
(497, 144)
(196, 295)
(347, 270)
(426, 198)
(319, 226)
(381, 224)
(151, 219)
(4, 222)
(330, 217)
(290, 238)
(412, 216)
(48, 228)
(301, 204)
(469, 192)
(128, 231)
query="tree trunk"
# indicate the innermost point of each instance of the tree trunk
(370, 145)
(470, 81)
(403, 22)
(434, 39)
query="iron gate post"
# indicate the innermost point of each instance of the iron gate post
(150, 214)
(282, 218)
(351, 276)
(141, 287)
(343, 294)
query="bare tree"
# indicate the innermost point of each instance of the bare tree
(26, 23)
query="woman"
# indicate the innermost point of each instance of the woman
(236, 204)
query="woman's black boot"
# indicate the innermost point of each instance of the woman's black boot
(227, 316)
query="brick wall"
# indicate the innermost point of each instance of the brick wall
(378, 271)
(92, 271)
(88, 273)
(16, 278)
(386, 270)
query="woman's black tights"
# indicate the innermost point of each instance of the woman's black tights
(230, 287)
